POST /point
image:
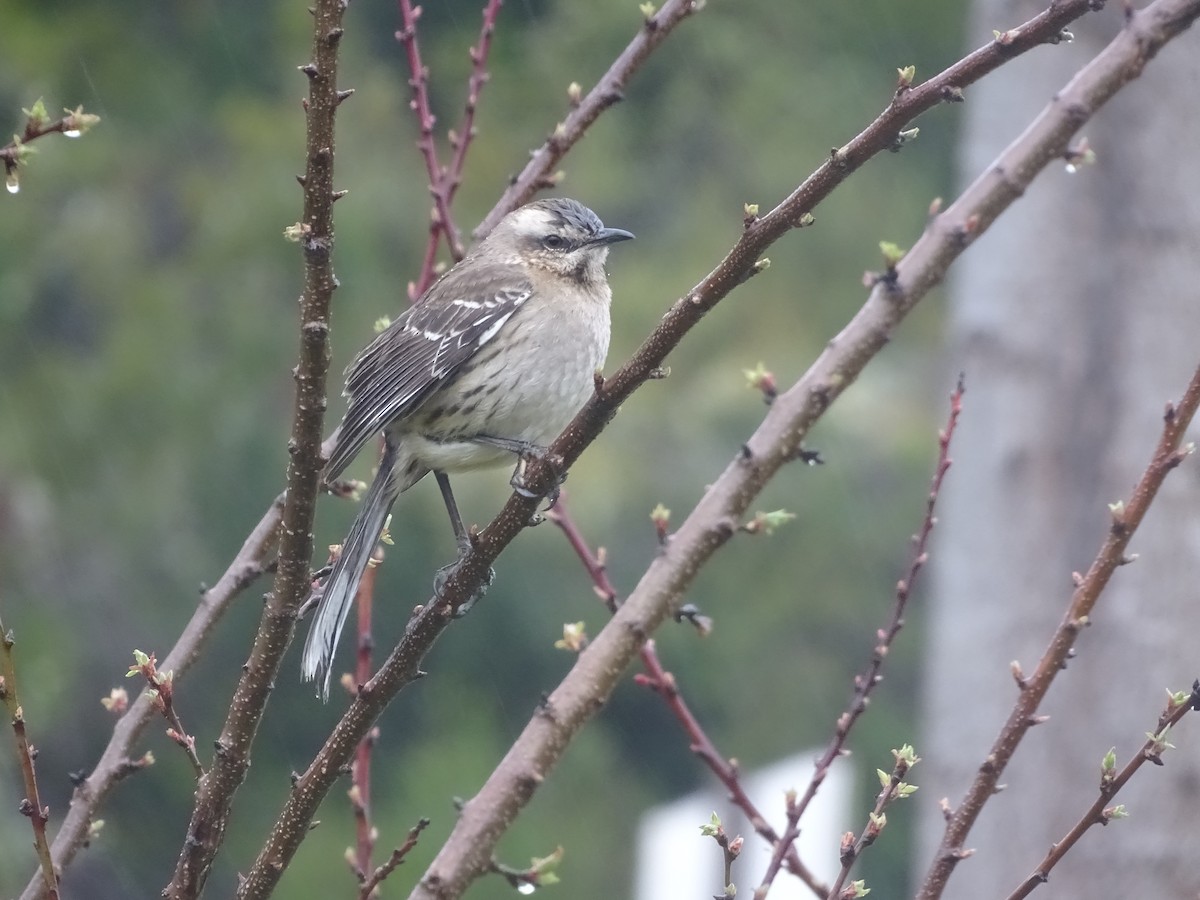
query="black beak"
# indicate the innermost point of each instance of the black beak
(611, 236)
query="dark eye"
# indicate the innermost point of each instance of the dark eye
(554, 242)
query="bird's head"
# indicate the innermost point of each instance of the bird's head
(560, 236)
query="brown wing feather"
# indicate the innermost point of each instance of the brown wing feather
(423, 349)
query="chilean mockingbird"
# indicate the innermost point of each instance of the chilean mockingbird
(494, 360)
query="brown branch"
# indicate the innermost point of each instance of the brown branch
(865, 683)
(539, 171)
(776, 443)
(1111, 781)
(666, 685)
(214, 795)
(31, 804)
(116, 762)
(1126, 517)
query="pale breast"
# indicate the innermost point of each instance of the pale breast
(524, 385)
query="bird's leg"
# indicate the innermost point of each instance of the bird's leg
(463, 539)
(525, 451)
(460, 533)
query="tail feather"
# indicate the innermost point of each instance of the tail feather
(342, 583)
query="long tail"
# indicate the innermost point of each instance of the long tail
(342, 583)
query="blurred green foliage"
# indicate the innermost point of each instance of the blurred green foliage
(147, 332)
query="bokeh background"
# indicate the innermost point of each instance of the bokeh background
(147, 333)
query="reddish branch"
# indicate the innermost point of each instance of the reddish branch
(31, 804)
(443, 180)
(539, 171)
(1126, 517)
(460, 141)
(360, 772)
(1100, 812)
(866, 682)
(162, 690)
(664, 683)
(894, 788)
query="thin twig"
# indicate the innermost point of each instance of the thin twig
(37, 125)
(443, 180)
(666, 685)
(731, 849)
(31, 804)
(360, 771)
(460, 141)
(395, 859)
(1126, 517)
(162, 689)
(418, 80)
(610, 89)
(866, 682)
(1111, 781)
(894, 788)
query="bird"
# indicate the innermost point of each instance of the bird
(491, 363)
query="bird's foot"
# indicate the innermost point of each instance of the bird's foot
(444, 574)
(527, 451)
(518, 483)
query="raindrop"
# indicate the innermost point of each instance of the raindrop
(12, 184)
(72, 132)
(526, 888)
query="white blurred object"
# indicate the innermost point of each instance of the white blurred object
(676, 862)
